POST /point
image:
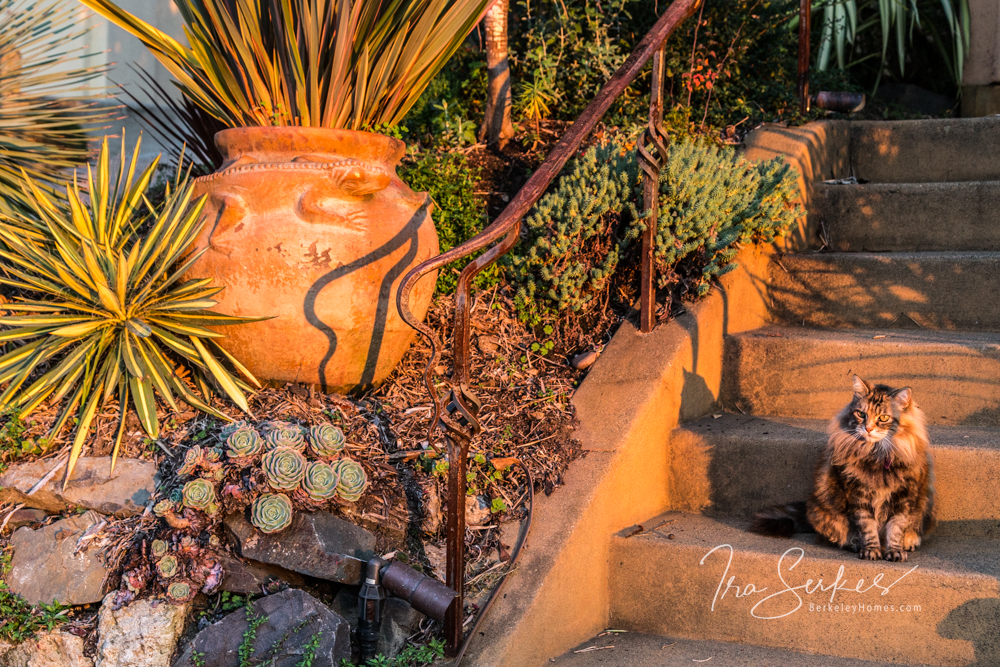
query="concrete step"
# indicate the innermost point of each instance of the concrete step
(736, 465)
(877, 217)
(926, 151)
(935, 290)
(806, 373)
(632, 649)
(698, 577)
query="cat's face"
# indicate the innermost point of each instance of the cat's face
(874, 414)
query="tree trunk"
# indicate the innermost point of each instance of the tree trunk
(496, 129)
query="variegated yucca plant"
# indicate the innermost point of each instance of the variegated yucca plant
(315, 63)
(101, 309)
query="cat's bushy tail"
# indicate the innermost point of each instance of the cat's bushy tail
(782, 520)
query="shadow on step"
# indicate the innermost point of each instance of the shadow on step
(976, 622)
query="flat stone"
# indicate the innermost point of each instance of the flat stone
(488, 344)
(141, 634)
(48, 649)
(24, 517)
(248, 578)
(46, 567)
(314, 544)
(124, 494)
(292, 619)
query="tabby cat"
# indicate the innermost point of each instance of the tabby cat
(874, 484)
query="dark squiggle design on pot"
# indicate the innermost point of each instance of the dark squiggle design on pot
(406, 235)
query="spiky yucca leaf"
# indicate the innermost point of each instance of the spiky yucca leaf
(102, 309)
(315, 63)
(38, 133)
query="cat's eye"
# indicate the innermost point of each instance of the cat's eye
(860, 416)
(884, 419)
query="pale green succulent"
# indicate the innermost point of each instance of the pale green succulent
(167, 567)
(284, 468)
(158, 548)
(181, 591)
(199, 494)
(352, 479)
(163, 508)
(284, 434)
(326, 440)
(243, 443)
(320, 482)
(271, 512)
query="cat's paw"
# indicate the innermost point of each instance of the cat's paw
(895, 555)
(870, 553)
(911, 540)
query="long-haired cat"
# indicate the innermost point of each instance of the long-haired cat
(874, 484)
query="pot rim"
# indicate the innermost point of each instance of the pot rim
(272, 144)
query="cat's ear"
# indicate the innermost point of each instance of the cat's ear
(861, 388)
(902, 397)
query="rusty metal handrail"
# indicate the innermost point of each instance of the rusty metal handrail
(460, 424)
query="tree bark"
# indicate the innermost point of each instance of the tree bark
(496, 129)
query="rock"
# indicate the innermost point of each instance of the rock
(477, 511)
(24, 517)
(48, 649)
(247, 578)
(399, 622)
(438, 558)
(488, 344)
(142, 634)
(431, 507)
(46, 566)
(314, 545)
(582, 362)
(292, 619)
(125, 494)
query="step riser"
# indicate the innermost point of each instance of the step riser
(928, 151)
(809, 378)
(738, 476)
(663, 589)
(844, 290)
(909, 217)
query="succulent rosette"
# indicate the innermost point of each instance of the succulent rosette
(158, 548)
(167, 566)
(284, 468)
(181, 591)
(326, 440)
(163, 507)
(243, 443)
(352, 479)
(199, 494)
(320, 482)
(284, 434)
(271, 512)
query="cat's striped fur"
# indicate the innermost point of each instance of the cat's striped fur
(874, 484)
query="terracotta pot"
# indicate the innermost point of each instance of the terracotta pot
(313, 227)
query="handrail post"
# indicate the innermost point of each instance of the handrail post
(651, 166)
(805, 18)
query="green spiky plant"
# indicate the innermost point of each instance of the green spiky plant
(101, 308)
(38, 133)
(314, 63)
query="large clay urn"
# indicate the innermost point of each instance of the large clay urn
(313, 228)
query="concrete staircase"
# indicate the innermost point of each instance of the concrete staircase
(903, 288)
